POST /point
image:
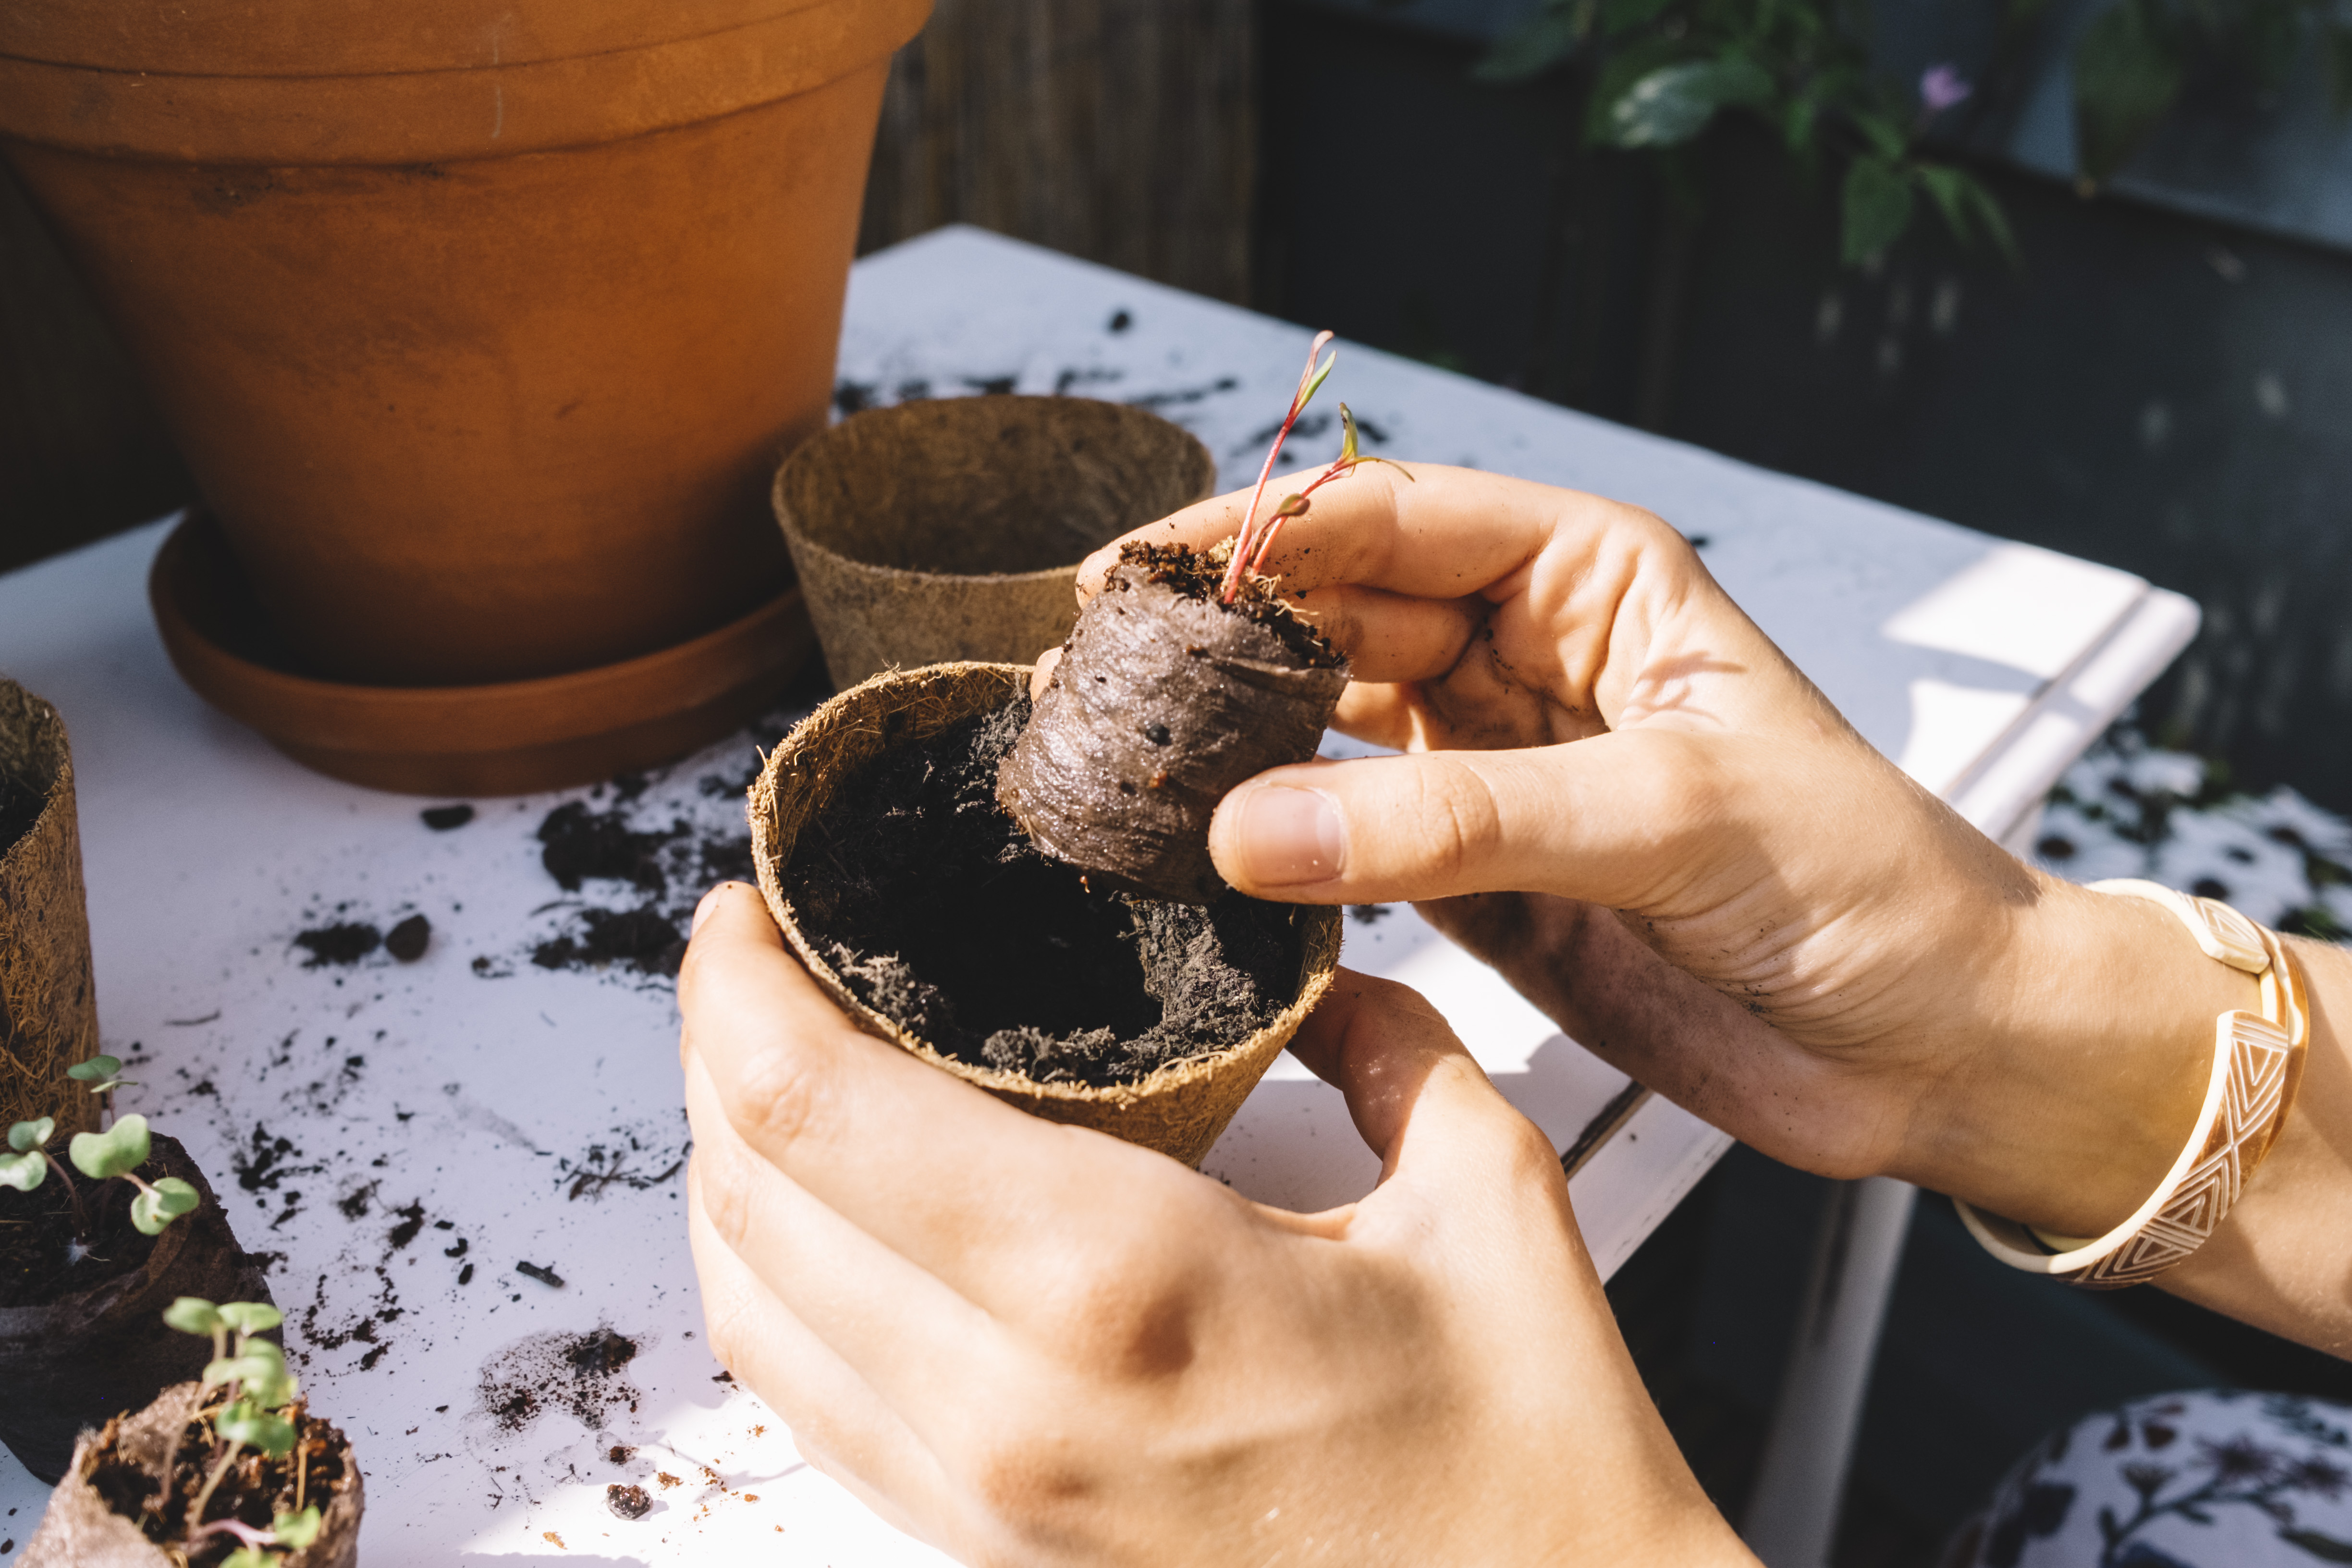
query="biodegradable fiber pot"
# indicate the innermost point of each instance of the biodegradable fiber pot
(81, 1531)
(1179, 1110)
(1164, 699)
(49, 1002)
(79, 1359)
(952, 529)
(481, 323)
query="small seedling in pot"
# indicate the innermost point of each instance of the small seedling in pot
(256, 1410)
(1187, 673)
(114, 1154)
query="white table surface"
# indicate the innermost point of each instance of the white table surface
(478, 1086)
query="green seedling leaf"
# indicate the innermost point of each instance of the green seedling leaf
(28, 1135)
(1293, 506)
(2129, 70)
(250, 1557)
(297, 1531)
(1877, 209)
(101, 1073)
(24, 1171)
(1674, 103)
(117, 1151)
(258, 1360)
(193, 1315)
(249, 1317)
(1314, 382)
(161, 1204)
(245, 1421)
(1945, 184)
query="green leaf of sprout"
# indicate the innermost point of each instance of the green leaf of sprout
(1315, 382)
(117, 1151)
(95, 1068)
(27, 1135)
(259, 1361)
(193, 1315)
(249, 1317)
(1347, 435)
(1877, 209)
(296, 1529)
(23, 1171)
(250, 1557)
(1293, 506)
(245, 1421)
(161, 1204)
(1674, 103)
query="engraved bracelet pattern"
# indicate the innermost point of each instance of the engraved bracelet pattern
(2257, 1063)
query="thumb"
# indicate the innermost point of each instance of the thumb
(1415, 1094)
(1601, 820)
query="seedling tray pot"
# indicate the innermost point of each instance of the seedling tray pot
(49, 1001)
(1180, 1110)
(80, 1531)
(952, 529)
(506, 738)
(80, 1359)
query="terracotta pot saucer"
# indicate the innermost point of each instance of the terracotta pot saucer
(510, 738)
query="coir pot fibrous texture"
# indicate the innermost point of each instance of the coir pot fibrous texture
(1164, 699)
(921, 906)
(146, 1468)
(81, 1338)
(48, 1003)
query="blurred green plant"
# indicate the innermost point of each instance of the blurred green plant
(2139, 58)
(1661, 71)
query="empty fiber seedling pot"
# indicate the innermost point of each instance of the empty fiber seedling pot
(952, 529)
(920, 906)
(95, 1516)
(49, 1001)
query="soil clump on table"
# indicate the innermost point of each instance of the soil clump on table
(44, 1255)
(938, 913)
(255, 1490)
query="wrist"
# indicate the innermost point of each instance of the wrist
(2092, 1066)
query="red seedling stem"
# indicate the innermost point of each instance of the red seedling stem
(1308, 380)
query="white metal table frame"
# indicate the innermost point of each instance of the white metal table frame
(473, 1087)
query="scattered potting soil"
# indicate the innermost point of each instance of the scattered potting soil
(580, 842)
(48, 1251)
(343, 942)
(628, 1503)
(643, 938)
(407, 941)
(255, 1490)
(938, 913)
(442, 818)
(578, 1373)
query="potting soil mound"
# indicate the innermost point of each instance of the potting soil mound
(938, 913)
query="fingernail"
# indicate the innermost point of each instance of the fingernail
(1291, 836)
(702, 910)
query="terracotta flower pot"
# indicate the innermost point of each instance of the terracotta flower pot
(952, 528)
(49, 1001)
(1179, 1110)
(81, 1530)
(482, 326)
(79, 1359)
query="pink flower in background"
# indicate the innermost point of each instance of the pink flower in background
(1941, 86)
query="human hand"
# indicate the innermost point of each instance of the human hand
(1620, 792)
(1028, 1344)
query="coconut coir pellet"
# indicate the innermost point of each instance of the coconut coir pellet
(938, 913)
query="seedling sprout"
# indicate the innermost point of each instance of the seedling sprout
(1254, 544)
(255, 1411)
(117, 1153)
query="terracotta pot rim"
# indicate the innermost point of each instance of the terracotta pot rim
(1266, 1041)
(350, 717)
(449, 115)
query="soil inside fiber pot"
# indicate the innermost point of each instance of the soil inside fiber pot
(1166, 698)
(255, 1491)
(939, 914)
(46, 1253)
(20, 807)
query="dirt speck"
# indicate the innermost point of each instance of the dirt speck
(407, 941)
(342, 943)
(443, 818)
(628, 1503)
(578, 844)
